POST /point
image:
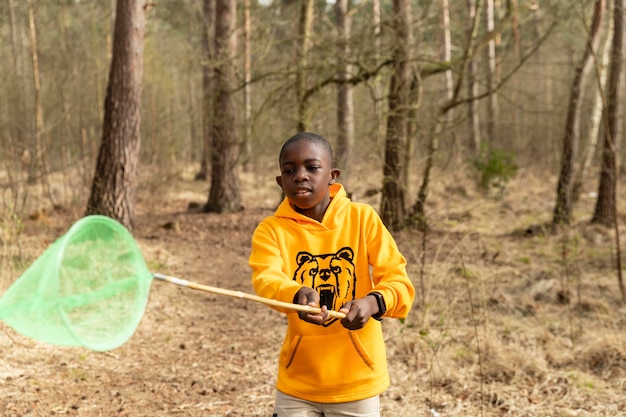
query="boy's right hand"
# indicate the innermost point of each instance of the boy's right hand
(308, 296)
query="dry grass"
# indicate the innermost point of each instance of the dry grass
(512, 322)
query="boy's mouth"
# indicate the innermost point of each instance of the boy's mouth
(301, 191)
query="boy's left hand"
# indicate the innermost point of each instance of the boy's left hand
(308, 296)
(358, 312)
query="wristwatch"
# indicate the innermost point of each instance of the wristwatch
(382, 307)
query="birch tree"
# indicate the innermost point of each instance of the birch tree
(473, 116)
(492, 97)
(595, 119)
(605, 209)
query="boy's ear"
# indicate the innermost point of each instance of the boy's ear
(279, 181)
(334, 174)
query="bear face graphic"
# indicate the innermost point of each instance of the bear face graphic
(331, 275)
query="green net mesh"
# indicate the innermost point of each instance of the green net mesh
(89, 288)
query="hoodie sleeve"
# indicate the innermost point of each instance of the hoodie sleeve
(389, 274)
(266, 260)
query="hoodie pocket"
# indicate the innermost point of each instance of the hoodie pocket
(360, 348)
(330, 360)
(293, 348)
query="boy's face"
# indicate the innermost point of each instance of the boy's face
(306, 174)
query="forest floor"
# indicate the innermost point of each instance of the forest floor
(508, 320)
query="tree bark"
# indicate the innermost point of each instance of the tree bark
(208, 86)
(378, 85)
(392, 209)
(16, 136)
(224, 195)
(40, 142)
(473, 115)
(447, 52)
(516, 114)
(492, 98)
(305, 28)
(66, 75)
(563, 207)
(247, 89)
(114, 188)
(595, 119)
(605, 209)
(345, 102)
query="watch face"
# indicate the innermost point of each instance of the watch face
(382, 308)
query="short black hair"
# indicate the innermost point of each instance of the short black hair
(312, 138)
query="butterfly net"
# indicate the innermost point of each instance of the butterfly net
(89, 288)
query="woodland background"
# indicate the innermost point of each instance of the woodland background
(495, 99)
(513, 315)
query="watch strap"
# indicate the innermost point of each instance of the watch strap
(382, 307)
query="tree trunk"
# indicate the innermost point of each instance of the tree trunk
(40, 142)
(193, 144)
(114, 187)
(66, 75)
(447, 52)
(516, 114)
(247, 89)
(392, 209)
(605, 210)
(473, 115)
(545, 119)
(15, 90)
(563, 208)
(305, 29)
(208, 86)
(224, 195)
(492, 98)
(345, 103)
(378, 86)
(595, 119)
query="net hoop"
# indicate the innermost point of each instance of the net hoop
(89, 288)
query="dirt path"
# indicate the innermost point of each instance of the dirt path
(198, 354)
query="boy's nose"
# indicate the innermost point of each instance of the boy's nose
(301, 175)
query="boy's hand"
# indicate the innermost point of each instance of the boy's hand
(358, 312)
(308, 296)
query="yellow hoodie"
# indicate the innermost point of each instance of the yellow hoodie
(345, 257)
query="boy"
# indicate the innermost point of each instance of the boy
(321, 249)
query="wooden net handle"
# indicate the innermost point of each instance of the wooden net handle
(245, 296)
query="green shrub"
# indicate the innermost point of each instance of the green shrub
(495, 168)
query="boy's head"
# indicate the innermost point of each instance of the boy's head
(306, 166)
(312, 138)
